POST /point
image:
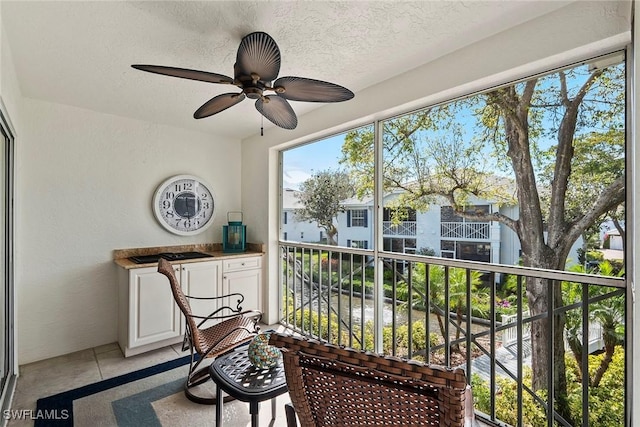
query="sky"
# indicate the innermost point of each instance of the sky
(301, 162)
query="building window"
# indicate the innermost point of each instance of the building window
(285, 235)
(474, 251)
(360, 244)
(399, 244)
(357, 218)
(284, 220)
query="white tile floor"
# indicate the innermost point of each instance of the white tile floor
(51, 376)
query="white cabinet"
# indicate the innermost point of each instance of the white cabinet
(149, 318)
(244, 276)
(202, 279)
(148, 315)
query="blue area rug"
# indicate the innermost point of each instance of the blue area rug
(134, 409)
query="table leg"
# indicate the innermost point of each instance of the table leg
(219, 401)
(273, 408)
(253, 409)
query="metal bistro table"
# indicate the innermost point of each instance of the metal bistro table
(234, 373)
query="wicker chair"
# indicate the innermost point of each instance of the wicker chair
(234, 327)
(337, 386)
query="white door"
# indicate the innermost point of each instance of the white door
(249, 284)
(204, 280)
(153, 313)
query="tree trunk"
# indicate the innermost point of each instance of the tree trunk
(610, 341)
(576, 348)
(547, 332)
(547, 340)
(331, 232)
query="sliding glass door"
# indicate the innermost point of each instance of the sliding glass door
(7, 342)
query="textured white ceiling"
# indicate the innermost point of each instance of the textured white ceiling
(79, 53)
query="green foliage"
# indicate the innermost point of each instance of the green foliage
(323, 326)
(426, 252)
(606, 402)
(418, 337)
(608, 312)
(598, 160)
(590, 256)
(507, 403)
(322, 196)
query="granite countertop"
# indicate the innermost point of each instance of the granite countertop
(121, 256)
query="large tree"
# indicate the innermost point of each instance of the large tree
(535, 130)
(322, 196)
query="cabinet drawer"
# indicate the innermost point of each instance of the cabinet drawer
(242, 264)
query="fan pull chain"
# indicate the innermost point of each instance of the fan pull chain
(261, 125)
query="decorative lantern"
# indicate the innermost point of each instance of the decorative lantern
(234, 235)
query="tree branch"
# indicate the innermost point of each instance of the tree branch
(609, 199)
(564, 155)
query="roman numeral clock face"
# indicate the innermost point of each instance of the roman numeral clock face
(184, 205)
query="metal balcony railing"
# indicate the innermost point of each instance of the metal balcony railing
(465, 230)
(404, 228)
(458, 313)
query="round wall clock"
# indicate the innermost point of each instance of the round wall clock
(184, 205)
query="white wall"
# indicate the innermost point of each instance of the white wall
(86, 180)
(9, 90)
(301, 231)
(428, 233)
(575, 32)
(347, 232)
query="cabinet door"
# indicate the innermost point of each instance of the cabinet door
(202, 279)
(248, 283)
(153, 313)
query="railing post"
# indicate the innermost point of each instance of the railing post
(585, 355)
(378, 201)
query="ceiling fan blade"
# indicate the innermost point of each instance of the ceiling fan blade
(278, 111)
(310, 90)
(217, 104)
(258, 54)
(184, 73)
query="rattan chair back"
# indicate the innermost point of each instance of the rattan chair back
(229, 331)
(337, 386)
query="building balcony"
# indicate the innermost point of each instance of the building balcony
(465, 230)
(404, 228)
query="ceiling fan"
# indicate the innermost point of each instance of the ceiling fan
(257, 66)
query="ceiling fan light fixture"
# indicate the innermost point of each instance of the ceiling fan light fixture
(253, 92)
